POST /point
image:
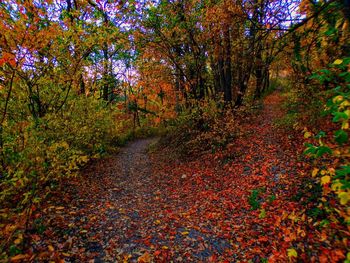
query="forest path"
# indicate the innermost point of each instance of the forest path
(140, 207)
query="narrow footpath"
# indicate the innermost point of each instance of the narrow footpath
(230, 206)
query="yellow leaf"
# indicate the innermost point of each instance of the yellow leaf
(325, 179)
(126, 258)
(291, 252)
(345, 125)
(84, 158)
(17, 241)
(51, 248)
(122, 210)
(307, 135)
(344, 104)
(338, 62)
(185, 233)
(262, 214)
(347, 112)
(293, 217)
(336, 152)
(338, 98)
(344, 197)
(165, 247)
(336, 185)
(157, 222)
(314, 172)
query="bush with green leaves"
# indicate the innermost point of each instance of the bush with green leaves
(331, 150)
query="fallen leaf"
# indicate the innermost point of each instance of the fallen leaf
(291, 252)
(51, 248)
(19, 257)
(145, 258)
(325, 179)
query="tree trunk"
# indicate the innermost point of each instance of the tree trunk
(227, 67)
(105, 73)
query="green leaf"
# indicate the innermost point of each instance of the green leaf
(342, 173)
(330, 31)
(345, 184)
(323, 150)
(341, 136)
(325, 71)
(315, 76)
(347, 260)
(310, 150)
(321, 134)
(339, 116)
(345, 76)
(346, 61)
(324, 223)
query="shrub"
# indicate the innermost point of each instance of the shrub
(207, 127)
(37, 153)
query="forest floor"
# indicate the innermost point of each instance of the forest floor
(233, 205)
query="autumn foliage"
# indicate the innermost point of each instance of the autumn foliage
(251, 99)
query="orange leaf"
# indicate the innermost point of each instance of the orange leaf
(145, 258)
(337, 255)
(51, 248)
(19, 257)
(212, 258)
(323, 258)
(263, 239)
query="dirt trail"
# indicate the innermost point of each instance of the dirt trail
(99, 212)
(136, 207)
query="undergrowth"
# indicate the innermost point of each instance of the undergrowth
(206, 128)
(39, 154)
